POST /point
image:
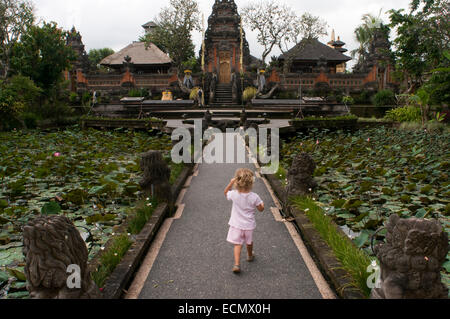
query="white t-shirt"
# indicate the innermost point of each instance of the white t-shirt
(244, 209)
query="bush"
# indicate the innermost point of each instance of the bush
(73, 98)
(287, 95)
(249, 94)
(30, 120)
(138, 93)
(383, 98)
(86, 99)
(404, 114)
(363, 98)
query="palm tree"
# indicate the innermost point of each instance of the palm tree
(364, 35)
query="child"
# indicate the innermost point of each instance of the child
(242, 221)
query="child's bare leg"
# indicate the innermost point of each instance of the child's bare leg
(250, 250)
(237, 254)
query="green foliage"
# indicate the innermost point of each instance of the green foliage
(404, 114)
(43, 55)
(17, 94)
(287, 95)
(348, 100)
(15, 19)
(249, 94)
(111, 258)
(353, 260)
(33, 174)
(73, 98)
(174, 26)
(97, 55)
(368, 175)
(143, 213)
(419, 41)
(384, 98)
(138, 93)
(51, 208)
(191, 64)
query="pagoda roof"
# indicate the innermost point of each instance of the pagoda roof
(149, 24)
(139, 54)
(313, 50)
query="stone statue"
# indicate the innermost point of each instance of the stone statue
(188, 80)
(411, 260)
(300, 176)
(261, 81)
(156, 176)
(51, 245)
(212, 87)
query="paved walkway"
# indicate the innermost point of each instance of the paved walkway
(191, 259)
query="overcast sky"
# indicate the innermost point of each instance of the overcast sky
(116, 23)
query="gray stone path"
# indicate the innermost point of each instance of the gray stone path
(195, 260)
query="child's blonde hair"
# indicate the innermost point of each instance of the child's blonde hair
(244, 179)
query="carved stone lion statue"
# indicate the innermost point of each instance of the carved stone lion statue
(51, 245)
(411, 260)
(300, 176)
(157, 173)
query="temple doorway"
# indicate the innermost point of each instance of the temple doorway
(225, 68)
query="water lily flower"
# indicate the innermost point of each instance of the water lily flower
(317, 142)
(368, 140)
(102, 248)
(57, 154)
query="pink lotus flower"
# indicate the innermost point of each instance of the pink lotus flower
(317, 142)
(368, 140)
(57, 154)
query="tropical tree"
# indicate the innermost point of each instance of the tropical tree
(423, 36)
(364, 35)
(97, 55)
(42, 55)
(173, 31)
(16, 16)
(272, 21)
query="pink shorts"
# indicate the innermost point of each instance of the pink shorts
(239, 237)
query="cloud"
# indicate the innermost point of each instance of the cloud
(117, 23)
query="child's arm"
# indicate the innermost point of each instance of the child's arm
(229, 187)
(260, 207)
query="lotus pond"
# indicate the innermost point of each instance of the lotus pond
(89, 176)
(367, 175)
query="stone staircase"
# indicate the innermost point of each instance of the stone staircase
(224, 96)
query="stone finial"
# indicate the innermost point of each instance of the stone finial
(51, 245)
(155, 181)
(411, 260)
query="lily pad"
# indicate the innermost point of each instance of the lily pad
(51, 208)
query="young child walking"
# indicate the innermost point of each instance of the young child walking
(242, 222)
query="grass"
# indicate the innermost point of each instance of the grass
(354, 260)
(143, 213)
(176, 170)
(111, 258)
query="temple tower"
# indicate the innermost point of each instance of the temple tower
(223, 42)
